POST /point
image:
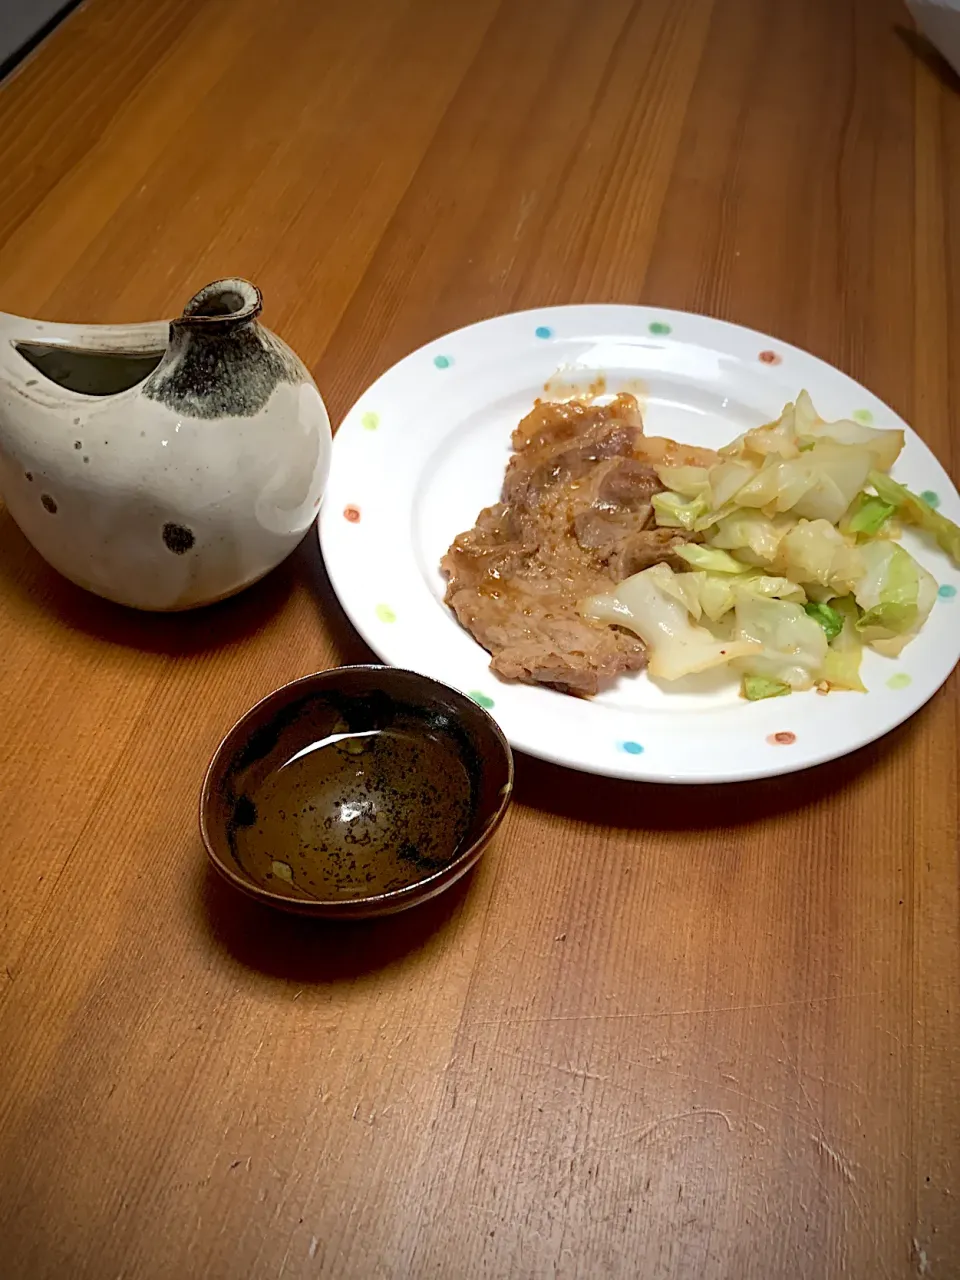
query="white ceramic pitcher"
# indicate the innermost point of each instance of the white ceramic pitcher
(161, 465)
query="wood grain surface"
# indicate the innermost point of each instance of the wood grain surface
(660, 1033)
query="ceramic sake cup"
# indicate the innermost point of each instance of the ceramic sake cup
(355, 792)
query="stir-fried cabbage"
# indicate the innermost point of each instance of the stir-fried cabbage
(754, 688)
(689, 482)
(829, 619)
(867, 517)
(788, 644)
(885, 445)
(798, 464)
(755, 537)
(727, 479)
(678, 647)
(814, 551)
(793, 561)
(896, 595)
(714, 595)
(710, 559)
(912, 508)
(841, 666)
(673, 511)
(769, 587)
(819, 483)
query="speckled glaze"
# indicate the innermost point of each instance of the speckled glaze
(164, 465)
(355, 792)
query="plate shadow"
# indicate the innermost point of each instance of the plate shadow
(652, 806)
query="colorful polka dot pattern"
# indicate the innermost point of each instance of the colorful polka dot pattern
(947, 592)
(864, 416)
(899, 681)
(632, 748)
(543, 331)
(768, 357)
(481, 699)
(659, 328)
(370, 421)
(352, 514)
(385, 613)
(782, 739)
(443, 362)
(930, 498)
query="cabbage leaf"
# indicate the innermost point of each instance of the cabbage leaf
(646, 604)
(754, 688)
(789, 646)
(830, 619)
(912, 508)
(841, 666)
(896, 595)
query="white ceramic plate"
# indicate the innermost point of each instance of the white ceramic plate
(424, 449)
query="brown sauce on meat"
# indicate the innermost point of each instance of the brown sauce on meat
(574, 518)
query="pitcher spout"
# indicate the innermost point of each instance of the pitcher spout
(220, 362)
(221, 306)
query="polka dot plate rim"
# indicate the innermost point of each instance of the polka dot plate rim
(438, 455)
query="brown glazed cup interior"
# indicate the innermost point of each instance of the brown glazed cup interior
(355, 792)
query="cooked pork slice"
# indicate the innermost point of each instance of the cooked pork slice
(651, 546)
(535, 634)
(613, 503)
(550, 422)
(529, 474)
(564, 651)
(575, 509)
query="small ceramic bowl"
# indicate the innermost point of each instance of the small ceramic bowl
(355, 792)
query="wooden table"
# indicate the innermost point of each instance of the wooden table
(661, 1033)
